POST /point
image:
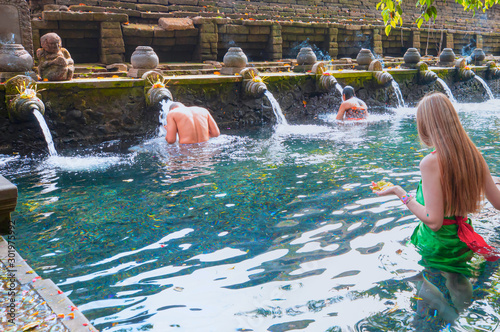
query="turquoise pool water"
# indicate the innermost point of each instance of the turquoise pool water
(275, 230)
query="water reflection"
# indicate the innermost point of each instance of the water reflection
(271, 230)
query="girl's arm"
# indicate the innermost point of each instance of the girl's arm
(432, 214)
(491, 190)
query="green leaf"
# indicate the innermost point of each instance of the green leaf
(419, 22)
(378, 5)
(426, 16)
(387, 30)
(399, 10)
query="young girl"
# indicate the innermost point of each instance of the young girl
(455, 179)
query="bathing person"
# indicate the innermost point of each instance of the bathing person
(455, 178)
(193, 124)
(352, 108)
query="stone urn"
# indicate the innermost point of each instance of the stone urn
(14, 58)
(144, 57)
(447, 56)
(306, 56)
(365, 57)
(411, 57)
(477, 55)
(235, 58)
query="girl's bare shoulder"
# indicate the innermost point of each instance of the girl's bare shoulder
(429, 162)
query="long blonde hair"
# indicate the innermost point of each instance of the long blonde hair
(461, 165)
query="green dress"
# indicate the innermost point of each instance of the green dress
(441, 250)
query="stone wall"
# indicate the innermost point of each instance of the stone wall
(92, 111)
(108, 31)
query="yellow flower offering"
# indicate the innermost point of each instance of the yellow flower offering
(380, 185)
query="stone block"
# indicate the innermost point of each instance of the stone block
(160, 33)
(112, 50)
(208, 28)
(110, 17)
(111, 33)
(151, 8)
(186, 33)
(138, 30)
(292, 30)
(117, 4)
(208, 38)
(237, 30)
(8, 202)
(112, 58)
(110, 25)
(185, 2)
(112, 42)
(44, 25)
(171, 24)
(73, 16)
(51, 16)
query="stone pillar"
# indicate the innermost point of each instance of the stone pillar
(479, 41)
(415, 39)
(209, 37)
(333, 45)
(377, 42)
(112, 46)
(8, 202)
(449, 40)
(275, 42)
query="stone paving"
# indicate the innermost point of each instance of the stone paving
(31, 303)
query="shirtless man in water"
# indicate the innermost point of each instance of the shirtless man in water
(352, 108)
(193, 124)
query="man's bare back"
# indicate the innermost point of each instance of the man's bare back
(193, 124)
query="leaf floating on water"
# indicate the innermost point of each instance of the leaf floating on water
(178, 289)
(128, 180)
(399, 251)
(31, 325)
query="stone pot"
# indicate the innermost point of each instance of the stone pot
(306, 56)
(447, 56)
(412, 56)
(144, 57)
(365, 57)
(14, 58)
(477, 55)
(235, 58)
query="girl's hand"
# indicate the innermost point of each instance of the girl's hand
(392, 190)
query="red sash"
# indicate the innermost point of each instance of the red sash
(474, 241)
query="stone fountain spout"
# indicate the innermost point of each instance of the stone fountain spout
(155, 88)
(253, 85)
(492, 70)
(382, 77)
(22, 99)
(462, 71)
(325, 81)
(424, 75)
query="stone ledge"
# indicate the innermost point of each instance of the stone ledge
(8, 202)
(51, 294)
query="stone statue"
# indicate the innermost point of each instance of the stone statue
(55, 63)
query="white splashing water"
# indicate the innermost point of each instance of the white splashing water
(486, 87)
(339, 88)
(399, 95)
(46, 132)
(447, 90)
(165, 105)
(280, 118)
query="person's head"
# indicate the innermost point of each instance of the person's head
(175, 104)
(462, 166)
(51, 42)
(348, 92)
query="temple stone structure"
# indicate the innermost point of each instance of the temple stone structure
(102, 31)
